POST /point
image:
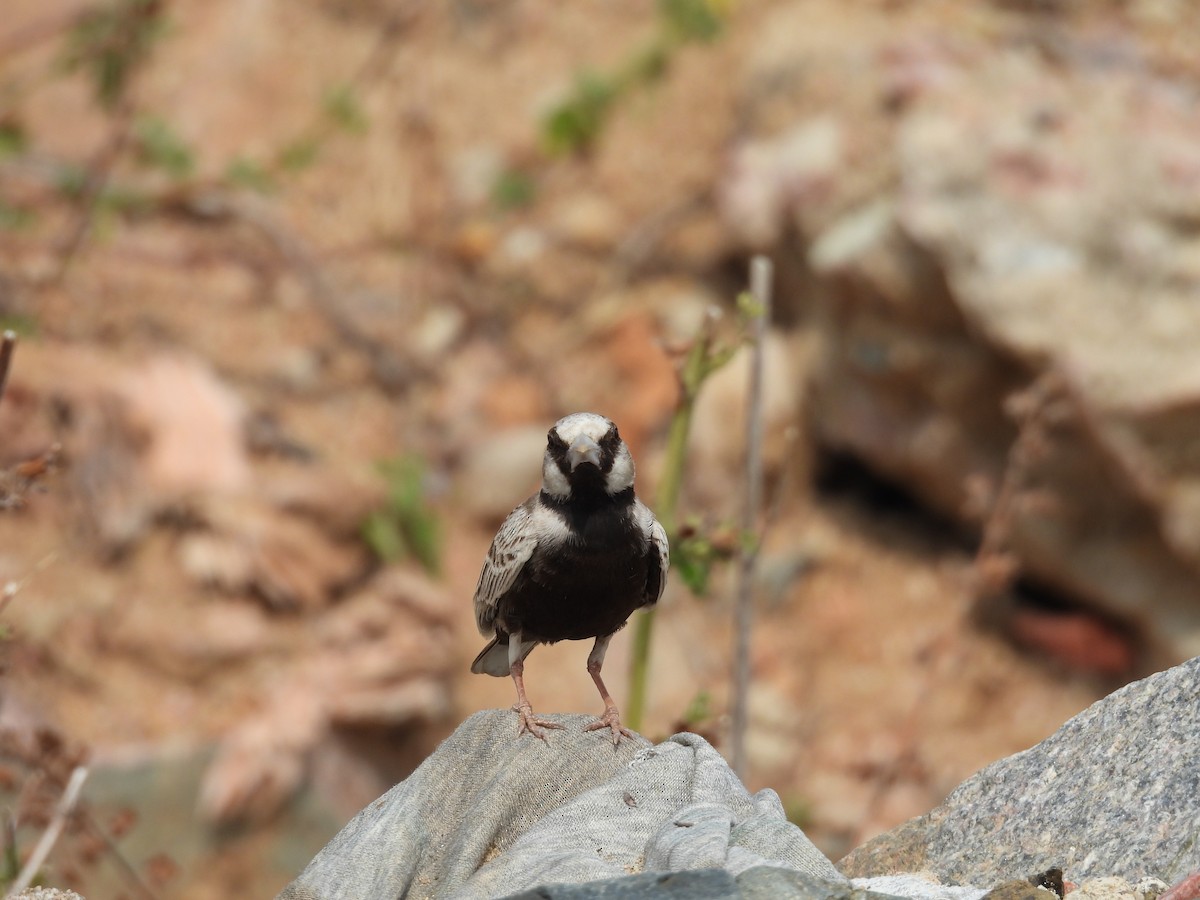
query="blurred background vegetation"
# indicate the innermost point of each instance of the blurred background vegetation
(299, 287)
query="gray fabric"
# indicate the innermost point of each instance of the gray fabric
(489, 814)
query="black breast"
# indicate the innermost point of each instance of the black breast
(588, 584)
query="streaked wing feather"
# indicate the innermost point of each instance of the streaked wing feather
(511, 548)
(658, 541)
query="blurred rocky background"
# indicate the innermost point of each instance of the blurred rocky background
(300, 286)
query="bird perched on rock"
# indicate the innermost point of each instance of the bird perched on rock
(572, 562)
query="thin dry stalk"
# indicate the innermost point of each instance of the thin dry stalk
(49, 838)
(1038, 411)
(389, 370)
(760, 288)
(639, 246)
(10, 589)
(99, 173)
(133, 879)
(8, 343)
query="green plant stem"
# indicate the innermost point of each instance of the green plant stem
(697, 366)
(643, 631)
(667, 500)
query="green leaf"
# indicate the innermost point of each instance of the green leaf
(748, 306)
(71, 181)
(123, 201)
(690, 20)
(23, 325)
(747, 541)
(424, 538)
(160, 147)
(110, 41)
(513, 189)
(299, 154)
(404, 475)
(247, 173)
(574, 125)
(798, 810)
(651, 64)
(13, 139)
(693, 558)
(699, 711)
(342, 106)
(15, 218)
(407, 526)
(383, 537)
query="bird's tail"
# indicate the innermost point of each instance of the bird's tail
(493, 659)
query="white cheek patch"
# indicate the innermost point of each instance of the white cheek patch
(554, 482)
(620, 476)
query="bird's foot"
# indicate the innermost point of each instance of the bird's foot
(531, 723)
(611, 719)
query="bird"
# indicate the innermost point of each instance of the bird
(571, 563)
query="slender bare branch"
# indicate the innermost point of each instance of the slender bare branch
(99, 173)
(760, 288)
(46, 842)
(8, 343)
(132, 878)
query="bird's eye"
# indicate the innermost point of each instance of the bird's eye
(611, 440)
(553, 440)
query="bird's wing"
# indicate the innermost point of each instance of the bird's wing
(660, 559)
(510, 550)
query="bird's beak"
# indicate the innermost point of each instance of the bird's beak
(583, 449)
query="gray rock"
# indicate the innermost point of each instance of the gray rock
(759, 883)
(1114, 792)
(772, 883)
(701, 884)
(923, 887)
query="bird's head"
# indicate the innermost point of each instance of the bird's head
(585, 455)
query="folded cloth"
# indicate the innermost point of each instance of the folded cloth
(490, 813)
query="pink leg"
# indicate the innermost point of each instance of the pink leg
(516, 668)
(611, 718)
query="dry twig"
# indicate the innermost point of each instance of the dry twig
(760, 288)
(132, 878)
(7, 344)
(1038, 411)
(99, 173)
(49, 838)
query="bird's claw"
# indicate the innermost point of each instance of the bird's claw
(611, 719)
(531, 723)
